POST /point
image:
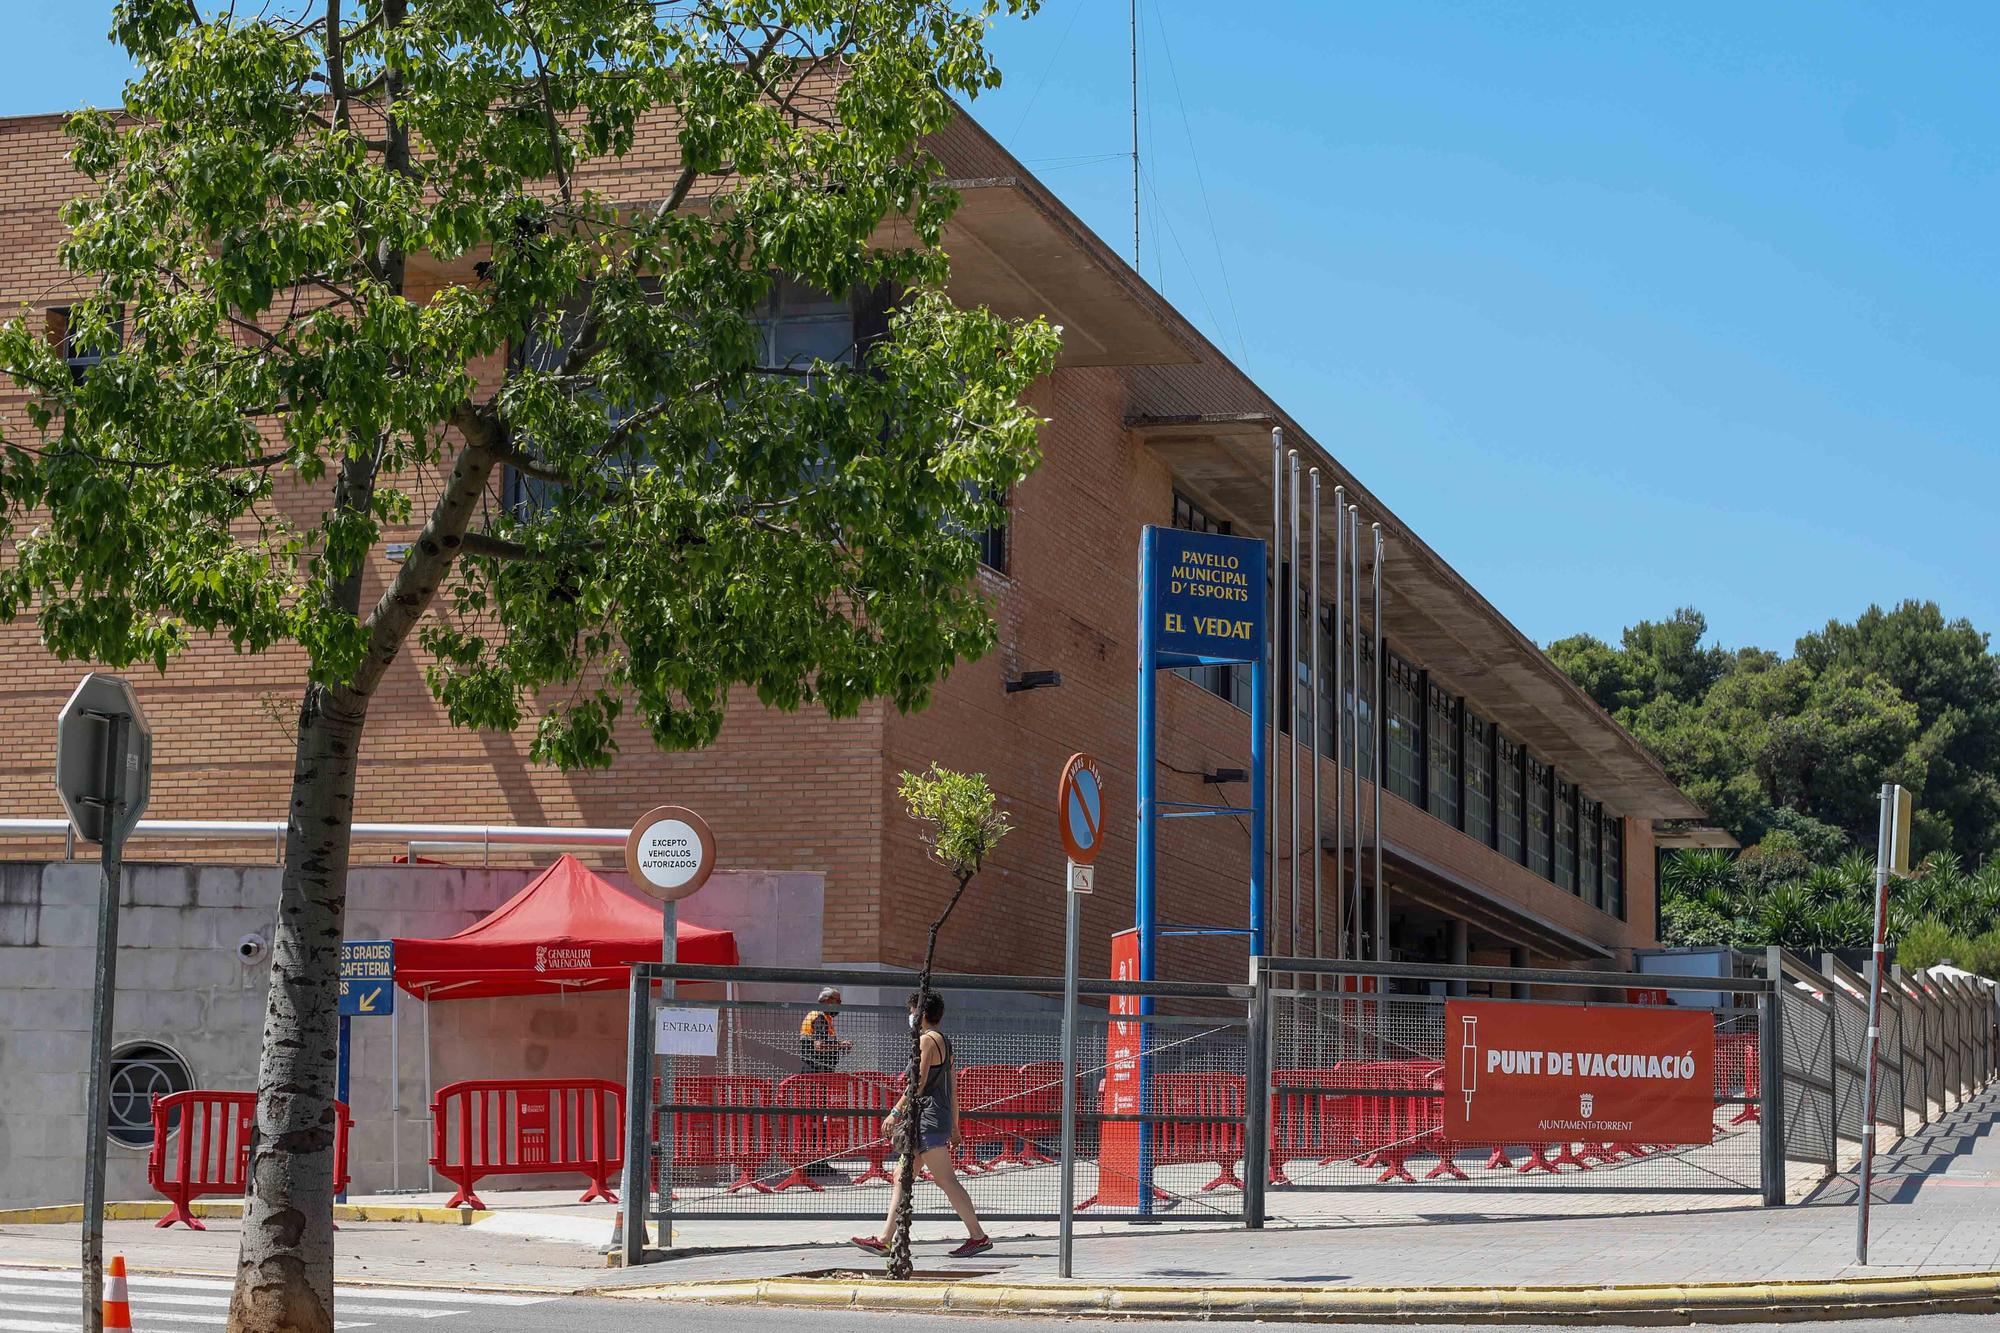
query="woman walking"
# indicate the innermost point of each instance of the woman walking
(936, 1109)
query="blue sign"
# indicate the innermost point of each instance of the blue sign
(367, 978)
(1085, 813)
(1206, 597)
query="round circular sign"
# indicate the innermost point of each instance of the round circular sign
(670, 853)
(1080, 809)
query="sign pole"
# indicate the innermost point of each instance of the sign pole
(1065, 1235)
(103, 1006)
(1891, 851)
(670, 854)
(670, 915)
(1080, 820)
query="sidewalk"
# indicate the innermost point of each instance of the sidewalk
(1937, 1211)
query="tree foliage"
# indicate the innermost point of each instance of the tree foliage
(1803, 743)
(350, 263)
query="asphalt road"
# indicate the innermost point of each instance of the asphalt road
(46, 1301)
(601, 1315)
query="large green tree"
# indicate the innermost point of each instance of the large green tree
(1803, 742)
(310, 227)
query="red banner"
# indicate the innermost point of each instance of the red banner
(1118, 1158)
(1547, 1073)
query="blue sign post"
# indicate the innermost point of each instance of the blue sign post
(1202, 602)
(367, 990)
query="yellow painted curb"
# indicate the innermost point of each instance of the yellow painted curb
(152, 1210)
(1716, 1302)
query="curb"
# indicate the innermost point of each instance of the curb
(59, 1213)
(1717, 1302)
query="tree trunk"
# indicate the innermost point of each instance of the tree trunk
(900, 1263)
(284, 1280)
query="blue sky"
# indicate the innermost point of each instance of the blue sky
(1622, 308)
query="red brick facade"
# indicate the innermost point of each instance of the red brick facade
(802, 792)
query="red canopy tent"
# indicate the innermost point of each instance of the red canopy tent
(567, 930)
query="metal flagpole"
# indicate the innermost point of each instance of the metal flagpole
(1292, 694)
(1353, 522)
(1313, 628)
(1271, 651)
(1340, 727)
(1381, 887)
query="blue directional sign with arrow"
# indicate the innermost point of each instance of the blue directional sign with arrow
(367, 978)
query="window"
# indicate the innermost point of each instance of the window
(1228, 682)
(1565, 836)
(800, 324)
(1403, 721)
(794, 325)
(1441, 750)
(1510, 800)
(1614, 865)
(141, 1071)
(992, 543)
(1478, 777)
(1540, 820)
(79, 355)
(1588, 860)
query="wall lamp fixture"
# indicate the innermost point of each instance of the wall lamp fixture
(1033, 680)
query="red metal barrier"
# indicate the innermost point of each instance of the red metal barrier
(989, 1100)
(880, 1094)
(528, 1127)
(1215, 1095)
(213, 1133)
(1040, 1110)
(738, 1137)
(803, 1140)
(1306, 1125)
(1393, 1128)
(1737, 1073)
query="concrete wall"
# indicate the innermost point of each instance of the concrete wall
(180, 983)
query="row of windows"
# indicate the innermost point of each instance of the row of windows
(1442, 757)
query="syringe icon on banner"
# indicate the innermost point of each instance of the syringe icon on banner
(1468, 1060)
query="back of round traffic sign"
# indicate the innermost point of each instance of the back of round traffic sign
(1080, 809)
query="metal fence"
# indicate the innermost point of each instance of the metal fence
(1936, 1047)
(1314, 1075)
(1358, 1058)
(763, 1129)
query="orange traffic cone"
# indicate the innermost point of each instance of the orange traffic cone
(117, 1305)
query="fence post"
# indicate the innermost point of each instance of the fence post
(1257, 1098)
(636, 1195)
(1771, 1084)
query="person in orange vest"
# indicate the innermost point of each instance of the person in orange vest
(820, 1050)
(820, 1047)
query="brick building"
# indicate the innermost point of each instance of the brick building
(1518, 820)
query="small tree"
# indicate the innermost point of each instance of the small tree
(962, 826)
(311, 242)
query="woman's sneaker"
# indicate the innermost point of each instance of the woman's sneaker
(872, 1244)
(977, 1245)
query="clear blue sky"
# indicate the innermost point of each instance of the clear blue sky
(1623, 308)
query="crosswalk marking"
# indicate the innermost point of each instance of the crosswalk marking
(163, 1300)
(152, 1280)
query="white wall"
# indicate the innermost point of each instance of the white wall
(180, 983)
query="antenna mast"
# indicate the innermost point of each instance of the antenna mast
(1135, 133)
